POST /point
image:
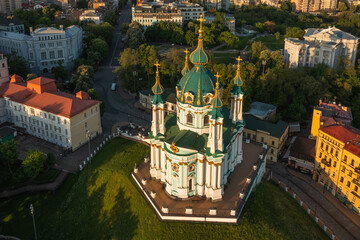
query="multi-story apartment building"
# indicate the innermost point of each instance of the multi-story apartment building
(43, 111)
(8, 6)
(337, 163)
(330, 46)
(147, 14)
(90, 15)
(314, 5)
(189, 11)
(4, 69)
(44, 47)
(326, 114)
(65, 4)
(11, 24)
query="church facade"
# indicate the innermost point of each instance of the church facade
(194, 151)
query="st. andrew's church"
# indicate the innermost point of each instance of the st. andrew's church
(194, 152)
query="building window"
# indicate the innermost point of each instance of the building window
(43, 55)
(322, 145)
(333, 174)
(326, 147)
(348, 184)
(84, 114)
(272, 151)
(320, 155)
(345, 159)
(189, 118)
(273, 143)
(86, 125)
(334, 163)
(341, 179)
(350, 173)
(60, 54)
(52, 54)
(352, 162)
(262, 139)
(356, 188)
(206, 120)
(336, 153)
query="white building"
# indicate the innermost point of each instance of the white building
(147, 14)
(45, 112)
(190, 11)
(229, 22)
(321, 46)
(44, 47)
(11, 24)
(4, 70)
(90, 15)
(194, 152)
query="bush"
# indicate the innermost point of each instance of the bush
(34, 163)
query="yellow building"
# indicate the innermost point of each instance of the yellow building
(337, 163)
(327, 114)
(273, 135)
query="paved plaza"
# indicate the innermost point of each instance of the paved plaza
(200, 207)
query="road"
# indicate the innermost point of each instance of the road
(335, 219)
(119, 106)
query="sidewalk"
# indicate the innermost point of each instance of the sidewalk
(72, 161)
(348, 212)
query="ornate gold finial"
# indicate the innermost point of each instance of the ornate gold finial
(217, 79)
(186, 52)
(157, 64)
(238, 64)
(201, 20)
(174, 148)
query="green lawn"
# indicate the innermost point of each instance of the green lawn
(225, 58)
(102, 202)
(271, 42)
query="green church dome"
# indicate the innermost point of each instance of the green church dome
(196, 85)
(237, 81)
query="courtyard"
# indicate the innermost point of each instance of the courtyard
(103, 202)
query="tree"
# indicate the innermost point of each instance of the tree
(9, 153)
(134, 36)
(60, 72)
(124, 27)
(17, 65)
(230, 39)
(34, 163)
(342, 6)
(277, 35)
(99, 45)
(294, 32)
(219, 17)
(286, 6)
(256, 49)
(111, 17)
(190, 38)
(260, 26)
(83, 79)
(270, 26)
(31, 76)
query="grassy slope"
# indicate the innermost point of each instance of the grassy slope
(271, 42)
(103, 203)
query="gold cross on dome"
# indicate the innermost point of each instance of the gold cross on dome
(186, 52)
(238, 59)
(201, 20)
(217, 75)
(157, 64)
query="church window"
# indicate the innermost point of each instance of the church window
(206, 120)
(189, 99)
(189, 118)
(175, 167)
(190, 185)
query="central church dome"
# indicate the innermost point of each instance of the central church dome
(197, 86)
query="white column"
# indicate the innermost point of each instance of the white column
(213, 176)
(199, 173)
(152, 160)
(219, 176)
(241, 108)
(207, 180)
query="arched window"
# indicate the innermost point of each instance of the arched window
(206, 120)
(189, 118)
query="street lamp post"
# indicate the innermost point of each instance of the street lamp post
(32, 213)
(88, 135)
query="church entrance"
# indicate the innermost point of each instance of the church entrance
(191, 187)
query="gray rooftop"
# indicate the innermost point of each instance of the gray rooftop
(15, 36)
(261, 110)
(333, 32)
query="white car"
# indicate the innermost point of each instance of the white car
(113, 86)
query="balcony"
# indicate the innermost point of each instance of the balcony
(323, 161)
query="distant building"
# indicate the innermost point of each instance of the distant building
(273, 135)
(11, 24)
(169, 96)
(262, 110)
(70, 14)
(9, 6)
(4, 70)
(67, 4)
(329, 46)
(90, 15)
(189, 11)
(44, 47)
(302, 154)
(229, 22)
(99, 4)
(147, 14)
(315, 5)
(327, 114)
(45, 112)
(7, 133)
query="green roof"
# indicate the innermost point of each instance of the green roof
(199, 56)
(275, 130)
(217, 104)
(168, 94)
(199, 81)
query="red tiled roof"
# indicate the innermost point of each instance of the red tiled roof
(16, 79)
(338, 111)
(58, 103)
(342, 133)
(353, 147)
(42, 84)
